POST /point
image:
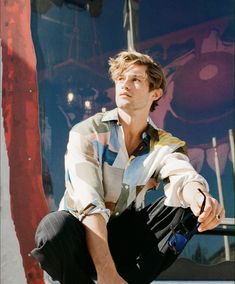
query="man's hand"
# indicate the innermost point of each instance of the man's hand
(212, 214)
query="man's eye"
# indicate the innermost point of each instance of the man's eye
(136, 80)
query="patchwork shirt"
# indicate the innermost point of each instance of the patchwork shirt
(99, 171)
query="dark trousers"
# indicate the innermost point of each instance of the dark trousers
(137, 241)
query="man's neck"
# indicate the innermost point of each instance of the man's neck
(133, 126)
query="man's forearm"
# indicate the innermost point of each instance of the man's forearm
(97, 242)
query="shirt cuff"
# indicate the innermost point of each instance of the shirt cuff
(177, 183)
(194, 185)
(94, 208)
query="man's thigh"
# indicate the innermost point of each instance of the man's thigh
(61, 246)
(125, 235)
(138, 240)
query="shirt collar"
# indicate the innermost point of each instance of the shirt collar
(111, 115)
(151, 130)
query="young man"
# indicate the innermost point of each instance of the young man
(102, 230)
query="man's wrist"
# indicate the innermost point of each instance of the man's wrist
(107, 265)
(191, 190)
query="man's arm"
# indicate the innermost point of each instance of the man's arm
(97, 243)
(181, 189)
(85, 193)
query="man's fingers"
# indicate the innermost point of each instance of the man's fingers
(220, 214)
(212, 220)
(209, 209)
(212, 213)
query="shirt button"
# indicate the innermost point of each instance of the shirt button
(117, 213)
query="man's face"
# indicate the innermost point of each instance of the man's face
(132, 89)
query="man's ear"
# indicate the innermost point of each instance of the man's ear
(157, 93)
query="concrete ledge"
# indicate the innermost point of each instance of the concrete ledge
(184, 269)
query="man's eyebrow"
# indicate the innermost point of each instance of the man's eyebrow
(138, 75)
(134, 75)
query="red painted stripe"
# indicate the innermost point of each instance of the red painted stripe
(20, 113)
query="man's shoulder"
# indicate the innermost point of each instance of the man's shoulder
(167, 139)
(93, 124)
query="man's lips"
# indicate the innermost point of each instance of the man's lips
(125, 95)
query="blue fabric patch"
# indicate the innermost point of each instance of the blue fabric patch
(114, 138)
(104, 153)
(109, 156)
(134, 170)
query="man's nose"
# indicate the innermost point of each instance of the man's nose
(126, 84)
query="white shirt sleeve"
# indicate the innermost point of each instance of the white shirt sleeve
(177, 171)
(83, 176)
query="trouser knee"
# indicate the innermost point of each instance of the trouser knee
(59, 238)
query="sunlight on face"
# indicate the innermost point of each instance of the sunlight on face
(132, 89)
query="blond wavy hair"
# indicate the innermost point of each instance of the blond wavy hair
(124, 59)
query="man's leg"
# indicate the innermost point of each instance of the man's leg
(124, 235)
(156, 256)
(61, 249)
(138, 241)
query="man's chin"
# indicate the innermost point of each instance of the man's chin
(123, 104)
(126, 107)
